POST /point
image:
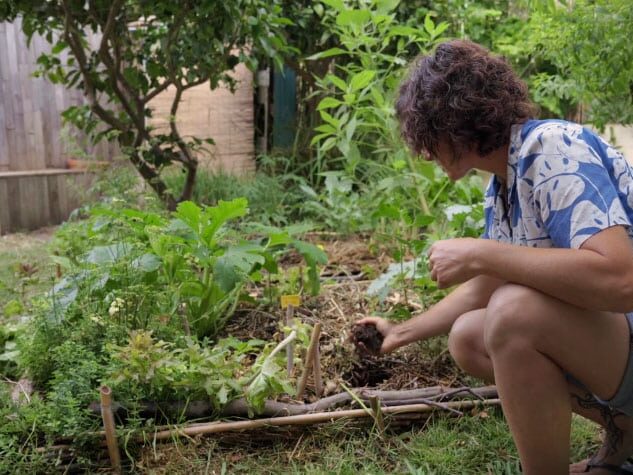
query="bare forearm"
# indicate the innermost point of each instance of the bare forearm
(439, 319)
(584, 278)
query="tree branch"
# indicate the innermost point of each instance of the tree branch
(70, 35)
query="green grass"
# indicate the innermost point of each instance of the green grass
(444, 445)
(18, 253)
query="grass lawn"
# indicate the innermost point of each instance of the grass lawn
(473, 444)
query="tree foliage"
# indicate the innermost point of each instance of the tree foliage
(589, 43)
(123, 53)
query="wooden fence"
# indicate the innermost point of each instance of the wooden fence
(31, 136)
(36, 189)
(32, 199)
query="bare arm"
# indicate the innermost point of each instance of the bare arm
(599, 276)
(439, 319)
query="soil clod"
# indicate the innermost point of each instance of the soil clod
(367, 339)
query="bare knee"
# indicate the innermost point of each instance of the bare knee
(509, 321)
(465, 343)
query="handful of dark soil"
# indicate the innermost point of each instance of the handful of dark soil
(367, 339)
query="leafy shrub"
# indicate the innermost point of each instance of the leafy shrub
(271, 198)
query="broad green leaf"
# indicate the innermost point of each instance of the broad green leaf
(381, 286)
(326, 129)
(189, 213)
(401, 30)
(218, 215)
(386, 6)
(423, 220)
(350, 128)
(441, 28)
(327, 53)
(337, 81)
(328, 144)
(429, 25)
(279, 239)
(329, 102)
(378, 97)
(318, 138)
(361, 80)
(235, 264)
(147, 263)
(108, 254)
(65, 292)
(336, 4)
(386, 210)
(327, 117)
(313, 256)
(353, 17)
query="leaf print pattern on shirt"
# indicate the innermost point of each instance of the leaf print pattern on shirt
(565, 184)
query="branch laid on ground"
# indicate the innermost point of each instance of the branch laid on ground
(307, 419)
(240, 408)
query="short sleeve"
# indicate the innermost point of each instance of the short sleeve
(489, 208)
(573, 192)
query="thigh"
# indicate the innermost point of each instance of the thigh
(592, 346)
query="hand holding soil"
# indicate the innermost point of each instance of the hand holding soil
(366, 338)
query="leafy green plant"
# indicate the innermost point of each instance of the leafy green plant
(356, 108)
(588, 43)
(146, 267)
(272, 199)
(220, 372)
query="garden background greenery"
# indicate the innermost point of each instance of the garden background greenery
(136, 290)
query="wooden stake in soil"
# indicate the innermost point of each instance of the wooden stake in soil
(314, 342)
(318, 380)
(108, 425)
(290, 311)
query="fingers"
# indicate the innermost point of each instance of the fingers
(368, 321)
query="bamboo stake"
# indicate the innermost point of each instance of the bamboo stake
(290, 311)
(108, 425)
(318, 380)
(374, 402)
(307, 419)
(314, 341)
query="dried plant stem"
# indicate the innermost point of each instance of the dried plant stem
(285, 342)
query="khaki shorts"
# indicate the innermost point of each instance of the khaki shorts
(623, 398)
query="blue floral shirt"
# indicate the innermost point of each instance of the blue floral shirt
(564, 184)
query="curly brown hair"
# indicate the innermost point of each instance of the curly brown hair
(463, 94)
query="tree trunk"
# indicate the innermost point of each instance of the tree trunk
(154, 180)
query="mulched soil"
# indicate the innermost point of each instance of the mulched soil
(341, 303)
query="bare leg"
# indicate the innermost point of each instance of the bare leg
(617, 445)
(466, 344)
